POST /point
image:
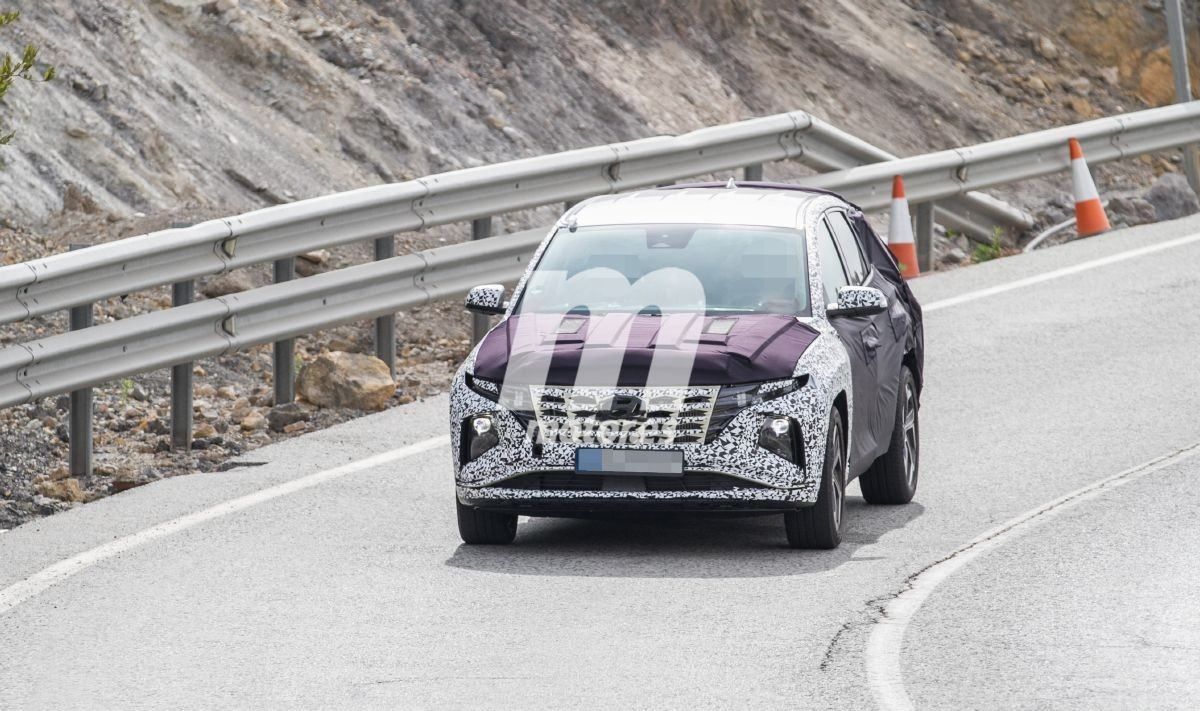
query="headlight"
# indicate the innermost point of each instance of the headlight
(734, 398)
(487, 388)
(780, 435)
(513, 397)
(478, 436)
(743, 396)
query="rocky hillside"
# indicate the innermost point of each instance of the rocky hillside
(233, 103)
(179, 110)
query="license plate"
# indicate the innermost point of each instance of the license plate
(635, 462)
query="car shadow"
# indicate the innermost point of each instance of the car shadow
(677, 546)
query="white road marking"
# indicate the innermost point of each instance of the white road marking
(882, 656)
(17, 593)
(1059, 273)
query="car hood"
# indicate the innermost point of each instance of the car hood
(730, 349)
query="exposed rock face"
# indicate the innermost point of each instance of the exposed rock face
(351, 380)
(287, 100)
(1129, 211)
(1172, 197)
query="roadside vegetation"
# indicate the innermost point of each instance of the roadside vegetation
(14, 67)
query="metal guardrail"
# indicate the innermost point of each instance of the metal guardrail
(976, 215)
(937, 176)
(84, 358)
(60, 281)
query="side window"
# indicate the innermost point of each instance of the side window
(833, 276)
(856, 268)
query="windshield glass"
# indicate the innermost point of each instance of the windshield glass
(657, 269)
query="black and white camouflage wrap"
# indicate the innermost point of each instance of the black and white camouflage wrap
(735, 452)
(486, 296)
(861, 297)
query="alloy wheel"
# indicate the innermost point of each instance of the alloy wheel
(910, 433)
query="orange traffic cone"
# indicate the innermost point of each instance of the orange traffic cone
(1089, 212)
(900, 234)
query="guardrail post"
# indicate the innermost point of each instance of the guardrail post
(385, 326)
(752, 172)
(285, 350)
(480, 229)
(181, 379)
(924, 236)
(182, 293)
(80, 434)
(1183, 84)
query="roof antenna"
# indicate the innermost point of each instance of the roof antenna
(731, 184)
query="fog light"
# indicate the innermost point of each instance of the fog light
(781, 436)
(780, 426)
(482, 425)
(478, 436)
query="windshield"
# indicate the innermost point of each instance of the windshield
(657, 269)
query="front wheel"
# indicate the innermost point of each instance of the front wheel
(892, 479)
(820, 525)
(476, 526)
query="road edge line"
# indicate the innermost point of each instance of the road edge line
(1058, 273)
(45, 578)
(886, 640)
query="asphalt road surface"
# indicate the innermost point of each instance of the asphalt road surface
(307, 580)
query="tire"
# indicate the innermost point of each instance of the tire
(892, 479)
(477, 526)
(820, 526)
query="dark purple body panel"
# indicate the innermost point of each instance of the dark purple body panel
(755, 348)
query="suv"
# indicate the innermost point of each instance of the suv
(737, 347)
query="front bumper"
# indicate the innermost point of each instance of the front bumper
(741, 474)
(534, 502)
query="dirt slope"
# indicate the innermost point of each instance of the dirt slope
(163, 103)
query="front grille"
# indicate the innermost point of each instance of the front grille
(570, 481)
(601, 415)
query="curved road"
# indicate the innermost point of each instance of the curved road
(307, 580)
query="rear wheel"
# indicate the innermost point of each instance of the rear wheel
(477, 526)
(820, 525)
(892, 479)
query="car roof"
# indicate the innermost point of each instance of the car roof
(759, 204)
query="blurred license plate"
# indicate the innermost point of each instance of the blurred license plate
(590, 460)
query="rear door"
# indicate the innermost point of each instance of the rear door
(875, 348)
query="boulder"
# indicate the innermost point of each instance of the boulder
(1130, 211)
(314, 262)
(1172, 197)
(240, 408)
(1045, 47)
(351, 380)
(253, 421)
(283, 416)
(226, 284)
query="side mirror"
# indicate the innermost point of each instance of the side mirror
(487, 299)
(858, 301)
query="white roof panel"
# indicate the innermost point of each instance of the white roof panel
(718, 206)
